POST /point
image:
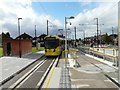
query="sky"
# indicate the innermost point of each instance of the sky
(37, 12)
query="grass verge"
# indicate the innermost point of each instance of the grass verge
(35, 50)
(1, 52)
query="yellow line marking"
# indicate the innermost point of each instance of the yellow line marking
(48, 83)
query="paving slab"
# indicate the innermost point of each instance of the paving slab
(11, 65)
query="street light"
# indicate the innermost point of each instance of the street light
(66, 34)
(19, 37)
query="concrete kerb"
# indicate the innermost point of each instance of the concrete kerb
(114, 81)
(96, 58)
(10, 77)
(101, 61)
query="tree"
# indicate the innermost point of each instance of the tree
(107, 39)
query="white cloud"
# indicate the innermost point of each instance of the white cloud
(75, 0)
(107, 13)
(10, 10)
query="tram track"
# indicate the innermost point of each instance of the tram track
(32, 76)
(21, 71)
(35, 77)
(26, 76)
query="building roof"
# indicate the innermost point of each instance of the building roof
(24, 36)
(6, 36)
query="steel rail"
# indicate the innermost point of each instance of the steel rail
(13, 86)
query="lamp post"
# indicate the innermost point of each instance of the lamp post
(19, 37)
(66, 34)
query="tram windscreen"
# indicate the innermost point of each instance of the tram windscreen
(53, 43)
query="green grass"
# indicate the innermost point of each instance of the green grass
(1, 52)
(35, 50)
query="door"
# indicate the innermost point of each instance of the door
(8, 48)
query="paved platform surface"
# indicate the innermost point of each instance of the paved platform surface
(53, 79)
(11, 65)
(90, 73)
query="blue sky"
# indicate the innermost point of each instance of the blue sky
(36, 13)
(59, 10)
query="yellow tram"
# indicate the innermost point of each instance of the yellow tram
(53, 45)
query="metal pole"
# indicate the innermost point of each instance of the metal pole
(75, 36)
(97, 34)
(35, 30)
(19, 37)
(112, 36)
(65, 37)
(47, 27)
(35, 37)
(119, 42)
(100, 37)
(84, 37)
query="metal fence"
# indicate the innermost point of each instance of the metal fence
(109, 54)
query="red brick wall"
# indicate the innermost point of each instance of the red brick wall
(26, 47)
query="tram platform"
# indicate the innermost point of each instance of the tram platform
(88, 73)
(9, 66)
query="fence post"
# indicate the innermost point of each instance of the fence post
(113, 57)
(104, 54)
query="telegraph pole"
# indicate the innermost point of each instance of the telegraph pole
(47, 27)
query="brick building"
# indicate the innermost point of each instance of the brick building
(14, 48)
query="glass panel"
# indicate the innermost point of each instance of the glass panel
(51, 44)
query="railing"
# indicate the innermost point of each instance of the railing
(109, 54)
